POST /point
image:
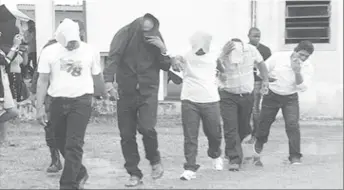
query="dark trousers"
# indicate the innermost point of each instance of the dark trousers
(236, 112)
(192, 114)
(289, 104)
(138, 113)
(49, 128)
(69, 117)
(257, 97)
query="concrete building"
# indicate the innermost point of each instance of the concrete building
(282, 23)
(74, 12)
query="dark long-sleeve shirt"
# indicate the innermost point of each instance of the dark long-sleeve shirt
(266, 53)
(136, 63)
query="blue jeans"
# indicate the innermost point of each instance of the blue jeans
(69, 117)
(192, 114)
(289, 104)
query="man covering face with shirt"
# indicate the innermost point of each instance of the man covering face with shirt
(69, 68)
(137, 54)
(236, 64)
(293, 73)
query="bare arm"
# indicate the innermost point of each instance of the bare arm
(42, 87)
(298, 78)
(261, 66)
(99, 84)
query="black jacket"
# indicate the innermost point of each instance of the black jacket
(135, 62)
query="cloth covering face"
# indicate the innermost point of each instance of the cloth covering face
(67, 31)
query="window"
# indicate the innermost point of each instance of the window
(307, 20)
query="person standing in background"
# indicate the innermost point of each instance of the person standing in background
(254, 35)
(30, 39)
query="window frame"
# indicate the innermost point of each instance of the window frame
(333, 29)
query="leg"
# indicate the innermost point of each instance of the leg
(147, 118)
(191, 122)
(127, 124)
(210, 114)
(256, 105)
(8, 115)
(229, 113)
(291, 114)
(3, 132)
(270, 107)
(245, 111)
(77, 121)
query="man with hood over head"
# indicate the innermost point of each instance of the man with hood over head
(137, 54)
(67, 70)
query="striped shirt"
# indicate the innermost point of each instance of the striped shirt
(239, 75)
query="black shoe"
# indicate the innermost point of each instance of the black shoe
(258, 147)
(134, 181)
(257, 162)
(82, 182)
(252, 140)
(157, 171)
(55, 165)
(233, 166)
(295, 161)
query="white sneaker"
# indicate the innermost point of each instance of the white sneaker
(188, 175)
(218, 164)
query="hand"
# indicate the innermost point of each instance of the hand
(42, 116)
(272, 79)
(228, 48)
(296, 65)
(222, 77)
(112, 90)
(177, 63)
(265, 88)
(157, 42)
(32, 99)
(17, 40)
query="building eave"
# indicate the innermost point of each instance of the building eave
(73, 8)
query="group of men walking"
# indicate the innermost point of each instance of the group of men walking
(226, 88)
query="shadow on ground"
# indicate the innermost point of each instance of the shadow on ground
(23, 164)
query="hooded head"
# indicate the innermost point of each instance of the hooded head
(68, 35)
(145, 26)
(200, 42)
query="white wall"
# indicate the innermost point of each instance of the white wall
(179, 20)
(325, 97)
(59, 15)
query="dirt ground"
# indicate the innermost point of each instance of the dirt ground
(23, 164)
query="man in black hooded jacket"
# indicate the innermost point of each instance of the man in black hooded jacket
(137, 54)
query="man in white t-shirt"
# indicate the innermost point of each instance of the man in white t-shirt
(200, 101)
(293, 73)
(69, 67)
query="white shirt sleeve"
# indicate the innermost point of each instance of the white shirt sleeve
(256, 56)
(307, 74)
(44, 64)
(271, 62)
(96, 67)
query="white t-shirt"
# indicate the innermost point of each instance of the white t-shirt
(70, 71)
(279, 67)
(199, 80)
